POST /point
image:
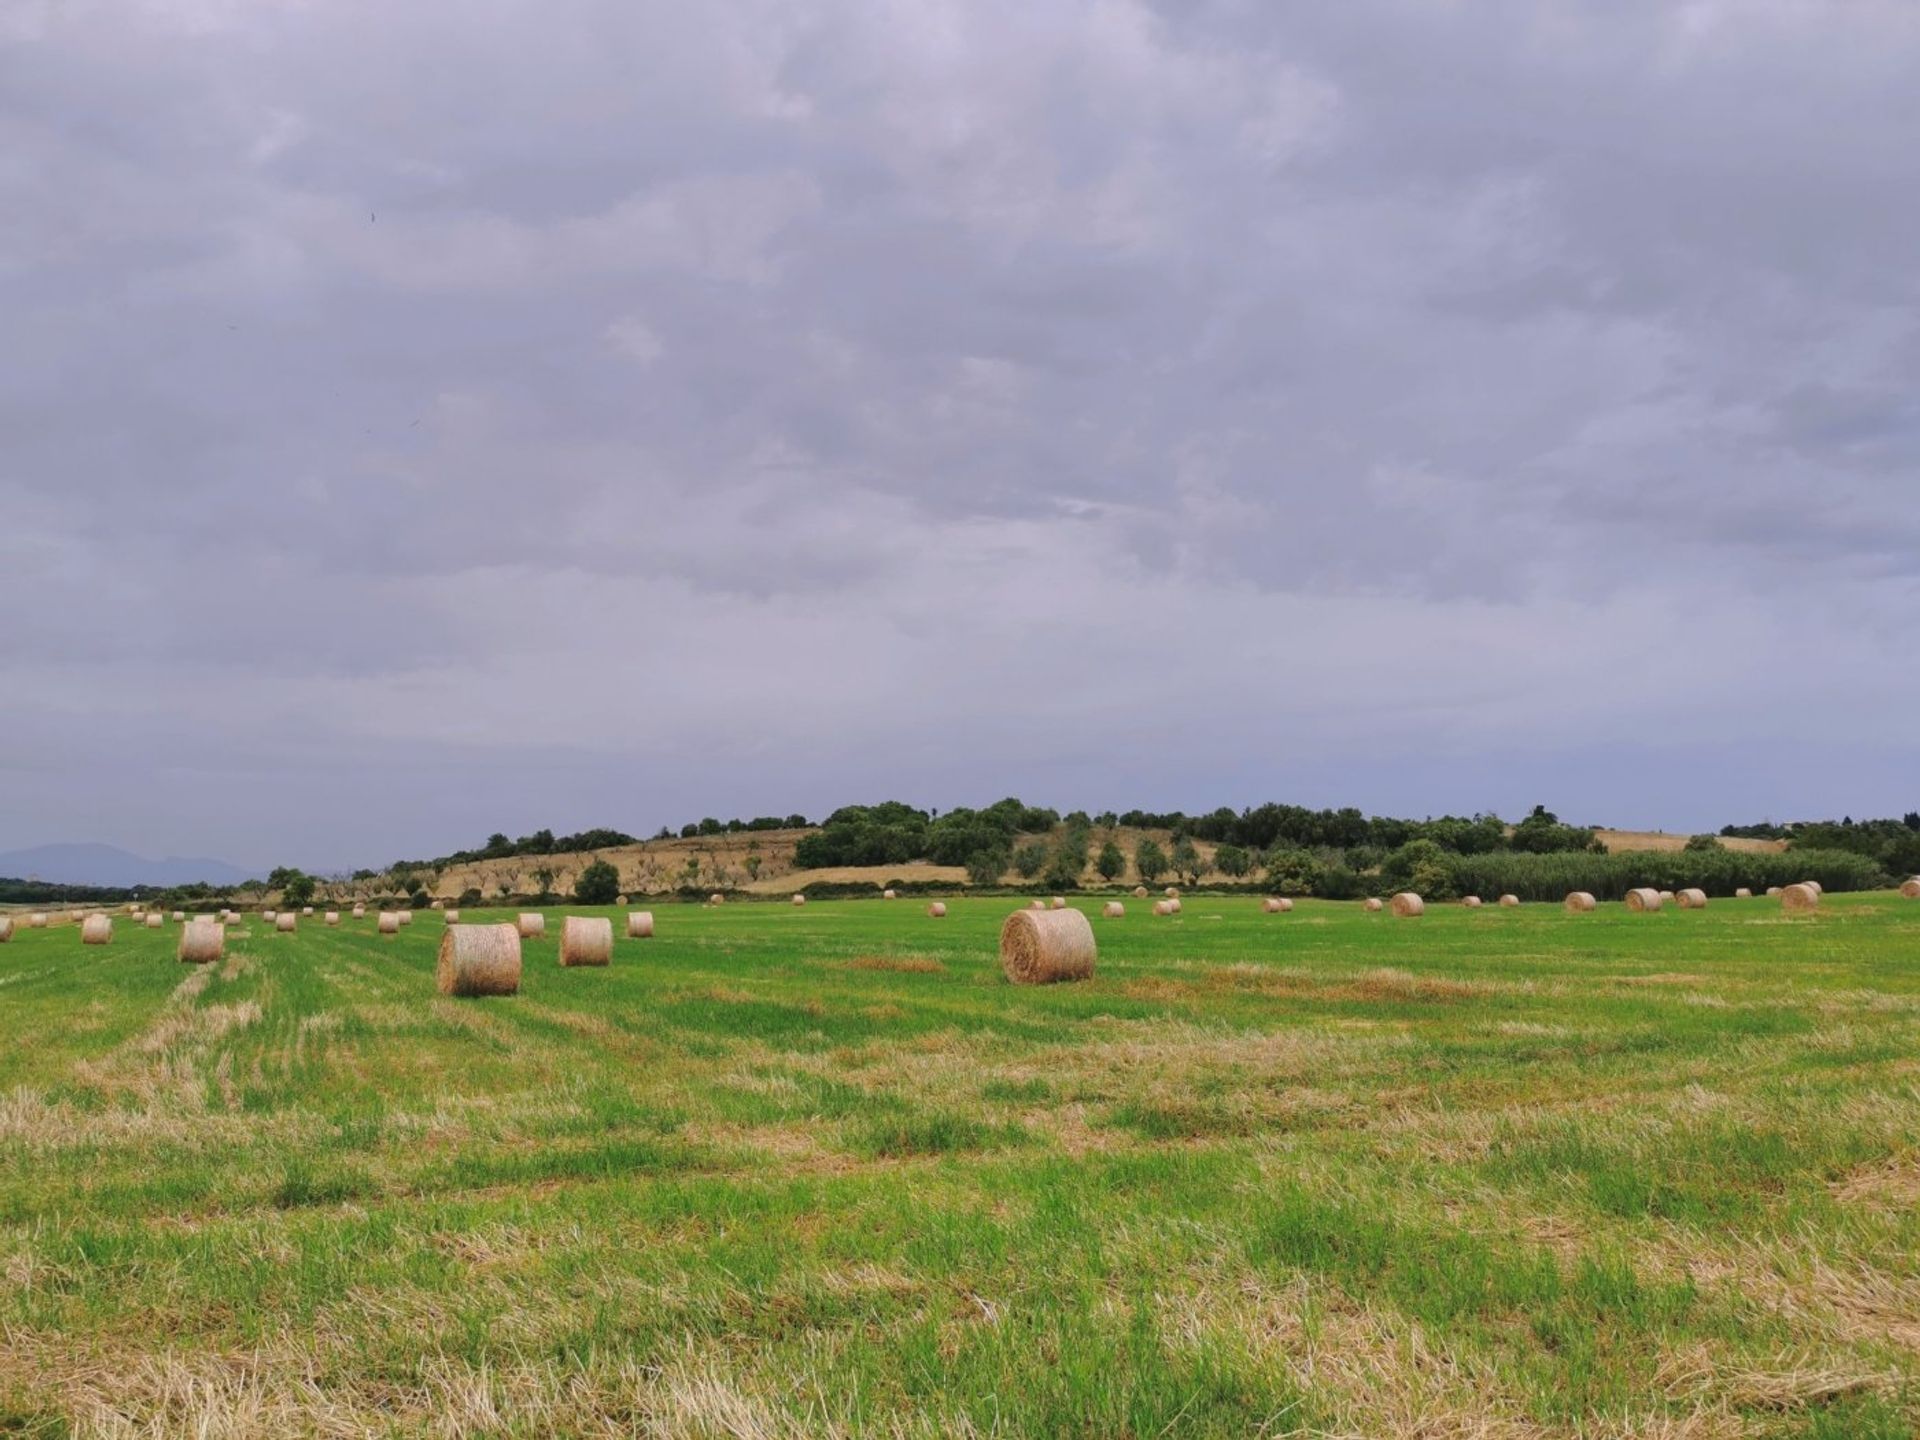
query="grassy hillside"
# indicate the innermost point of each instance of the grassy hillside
(820, 1171)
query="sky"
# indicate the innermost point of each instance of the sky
(424, 420)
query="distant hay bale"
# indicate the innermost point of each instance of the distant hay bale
(799, 899)
(1058, 902)
(179, 915)
(586, 940)
(202, 941)
(1113, 910)
(406, 917)
(1139, 892)
(1691, 899)
(716, 898)
(96, 930)
(1911, 890)
(620, 900)
(306, 909)
(1173, 892)
(1815, 886)
(1579, 902)
(1163, 907)
(937, 910)
(439, 904)
(1276, 905)
(269, 916)
(1667, 897)
(452, 916)
(1509, 901)
(1743, 893)
(1407, 905)
(640, 925)
(6, 928)
(1043, 947)
(1036, 904)
(1773, 892)
(1173, 906)
(479, 960)
(332, 917)
(1472, 902)
(533, 925)
(359, 912)
(888, 895)
(155, 920)
(389, 923)
(285, 922)
(1643, 901)
(1374, 904)
(37, 920)
(1800, 899)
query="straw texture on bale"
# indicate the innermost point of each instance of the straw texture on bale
(1743, 893)
(1276, 905)
(1691, 899)
(1580, 901)
(389, 923)
(1139, 892)
(937, 910)
(1472, 902)
(888, 895)
(155, 920)
(1042, 947)
(1113, 910)
(285, 923)
(96, 930)
(1911, 890)
(640, 925)
(799, 899)
(202, 941)
(1643, 900)
(1800, 899)
(332, 917)
(1163, 907)
(533, 925)
(6, 928)
(586, 940)
(1407, 904)
(37, 920)
(479, 960)
(1375, 904)
(1510, 901)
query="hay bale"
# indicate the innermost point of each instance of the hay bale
(1800, 899)
(1743, 893)
(1139, 892)
(532, 925)
(406, 917)
(888, 895)
(1163, 907)
(716, 898)
(1773, 892)
(269, 916)
(1173, 892)
(1579, 902)
(1644, 901)
(640, 925)
(937, 910)
(799, 899)
(306, 909)
(439, 904)
(155, 920)
(1667, 897)
(1113, 910)
(359, 912)
(1173, 906)
(1058, 902)
(332, 917)
(1911, 889)
(202, 941)
(479, 960)
(1276, 905)
(1815, 886)
(586, 940)
(1042, 947)
(1509, 902)
(1374, 905)
(96, 930)
(6, 928)
(179, 915)
(1472, 902)
(1408, 905)
(1691, 899)
(37, 920)
(452, 917)
(389, 923)
(285, 923)
(620, 900)
(1036, 904)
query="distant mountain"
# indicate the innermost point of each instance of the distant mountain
(106, 865)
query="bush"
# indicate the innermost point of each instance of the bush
(1703, 844)
(1426, 869)
(985, 867)
(1030, 860)
(470, 896)
(598, 884)
(1294, 872)
(1609, 877)
(1150, 861)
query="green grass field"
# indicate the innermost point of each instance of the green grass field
(823, 1172)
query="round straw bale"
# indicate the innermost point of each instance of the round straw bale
(332, 917)
(359, 912)
(479, 960)
(155, 920)
(1743, 893)
(269, 916)
(640, 925)
(389, 923)
(1407, 904)
(620, 900)
(285, 923)
(1039, 947)
(452, 917)
(96, 930)
(406, 917)
(1173, 892)
(937, 910)
(1113, 910)
(1139, 892)
(1691, 899)
(1058, 902)
(6, 928)
(1472, 902)
(439, 904)
(586, 940)
(1374, 904)
(1173, 906)
(1911, 890)
(533, 925)
(1510, 901)
(799, 899)
(37, 920)
(201, 941)
(1815, 886)
(1579, 902)
(306, 909)
(1643, 900)
(1036, 904)
(179, 915)
(1276, 905)
(888, 895)
(1773, 892)
(1800, 899)
(716, 898)
(1163, 907)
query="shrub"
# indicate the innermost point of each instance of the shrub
(597, 884)
(1232, 861)
(984, 867)
(1111, 863)
(1294, 872)
(1703, 844)
(1030, 860)
(1609, 877)
(1149, 861)
(1423, 867)
(470, 896)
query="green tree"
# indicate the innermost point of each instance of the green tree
(597, 884)
(1030, 860)
(1110, 863)
(753, 866)
(1698, 843)
(544, 877)
(296, 888)
(984, 867)
(1186, 861)
(1150, 861)
(1292, 871)
(1233, 861)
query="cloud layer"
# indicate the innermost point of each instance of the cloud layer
(421, 420)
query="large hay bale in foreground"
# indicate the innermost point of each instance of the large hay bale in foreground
(1373, 905)
(389, 923)
(1579, 902)
(640, 925)
(937, 910)
(1113, 910)
(285, 923)
(479, 960)
(96, 930)
(1692, 899)
(1407, 905)
(1800, 899)
(155, 920)
(202, 941)
(1510, 902)
(1643, 901)
(586, 940)
(1040, 947)
(1276, 905)
(532, 925)
(1911, 890)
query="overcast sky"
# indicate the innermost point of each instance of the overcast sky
(424, 419)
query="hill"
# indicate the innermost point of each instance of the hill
(110, 867)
